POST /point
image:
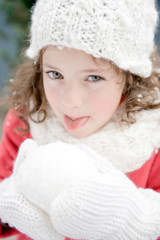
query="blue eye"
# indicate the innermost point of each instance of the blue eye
(94, 78)
(55, 75)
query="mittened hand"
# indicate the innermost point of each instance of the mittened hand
(18, 212)
(105, 206)
(93, 207)
(83, 199)
(42, 172)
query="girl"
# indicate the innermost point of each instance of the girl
(86, 106)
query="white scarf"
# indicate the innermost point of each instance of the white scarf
(127, 147)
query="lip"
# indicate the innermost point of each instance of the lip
(73, 123)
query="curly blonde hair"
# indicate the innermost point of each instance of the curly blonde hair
(28, 96)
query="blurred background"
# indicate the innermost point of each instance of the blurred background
(14, 27)
(14, 22)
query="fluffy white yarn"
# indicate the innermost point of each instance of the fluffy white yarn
(107, 206)
(26, 217)
(121, 31)
(126, 147)
(48, 169)
(82, 202)
(83, 195)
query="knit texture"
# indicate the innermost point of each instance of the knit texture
(26, 217)
(127, 147)
(47, 165)
(83, 202)
(121, 31)
(107, 206)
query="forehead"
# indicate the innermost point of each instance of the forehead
(75, 58)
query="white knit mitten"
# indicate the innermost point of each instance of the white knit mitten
(18, 212)
(42, 172)
(107, 206)
(84, 199)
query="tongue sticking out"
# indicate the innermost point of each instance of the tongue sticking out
(73, 124)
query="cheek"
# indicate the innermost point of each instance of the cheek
(106, 101)
(52, 96)
(99, 103)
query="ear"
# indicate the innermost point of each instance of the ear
(26, 148)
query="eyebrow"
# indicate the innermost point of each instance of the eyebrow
(84, 71)
(49, 66)
(93, 70)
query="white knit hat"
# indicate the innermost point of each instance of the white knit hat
(121, 31)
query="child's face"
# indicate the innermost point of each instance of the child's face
(83, 93)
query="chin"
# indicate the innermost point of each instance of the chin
(81, 133)
(78, 135)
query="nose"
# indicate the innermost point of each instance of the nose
(72, 96)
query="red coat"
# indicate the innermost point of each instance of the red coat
(148, 176)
